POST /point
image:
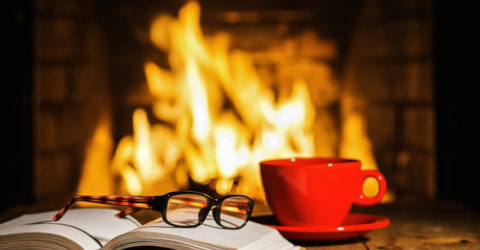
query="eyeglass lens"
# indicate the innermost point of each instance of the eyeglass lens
(185, 209)
(234, 211)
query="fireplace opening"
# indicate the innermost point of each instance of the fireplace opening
(351, 79)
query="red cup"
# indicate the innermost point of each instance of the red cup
(316, 191)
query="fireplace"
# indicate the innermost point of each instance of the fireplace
(367, 67)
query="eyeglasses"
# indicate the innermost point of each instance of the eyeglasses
(180, 208)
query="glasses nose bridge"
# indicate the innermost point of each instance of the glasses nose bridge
(217, 210)
(216, 214)
(203, 213)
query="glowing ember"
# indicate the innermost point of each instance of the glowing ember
(220, 118)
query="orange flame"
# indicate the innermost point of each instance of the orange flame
(220, 118)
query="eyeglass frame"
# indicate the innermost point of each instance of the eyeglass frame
(159, 204)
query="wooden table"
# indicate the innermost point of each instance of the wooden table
(419, 225)
(434, 225)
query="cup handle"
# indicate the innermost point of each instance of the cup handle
(362, 199)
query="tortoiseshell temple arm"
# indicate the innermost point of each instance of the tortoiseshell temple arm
(126, 212)
(119, 200)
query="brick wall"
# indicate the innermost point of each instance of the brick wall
(69, 93)
(390, 64)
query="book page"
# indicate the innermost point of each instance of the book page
(206, 236)
(90, 228)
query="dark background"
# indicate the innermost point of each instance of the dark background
(456, 94)
(16, 104)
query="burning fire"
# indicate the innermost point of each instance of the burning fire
(219, 118)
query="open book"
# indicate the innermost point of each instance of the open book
(98, 228)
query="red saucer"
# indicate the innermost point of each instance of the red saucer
(354, 225)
